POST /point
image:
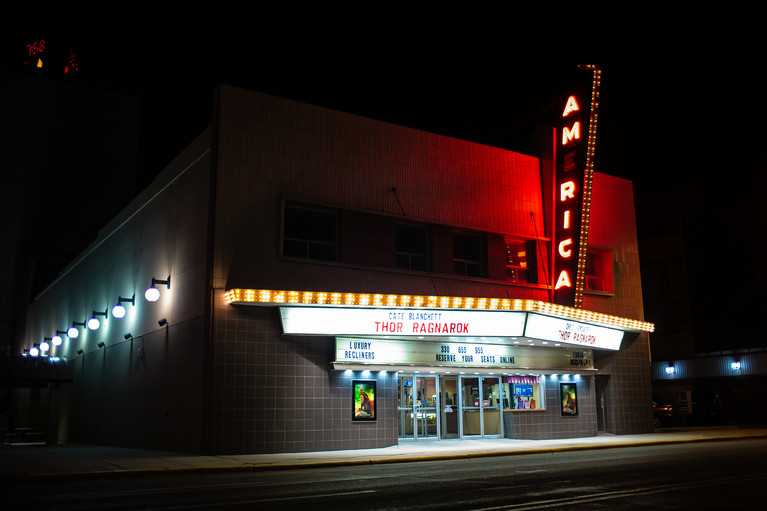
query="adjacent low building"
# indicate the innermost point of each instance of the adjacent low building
(326, 281)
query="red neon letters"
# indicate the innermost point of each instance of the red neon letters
(567, 197)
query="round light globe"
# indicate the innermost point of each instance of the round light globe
(73, 332)
(93, 324)
(118, 311)
(56, 340)
(152, 294)
(44, 346)
(33, 351)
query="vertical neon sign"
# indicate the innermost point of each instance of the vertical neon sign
(574, 171)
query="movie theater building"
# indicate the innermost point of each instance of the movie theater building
(325, 281)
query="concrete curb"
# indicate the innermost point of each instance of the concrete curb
(488, 454)
(260, 467)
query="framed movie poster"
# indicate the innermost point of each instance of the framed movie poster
(569, 399)
(363, 400)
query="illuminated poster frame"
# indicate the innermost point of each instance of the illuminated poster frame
(364, 402)
(568, 395)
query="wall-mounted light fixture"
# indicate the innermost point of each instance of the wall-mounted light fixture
(34, 351)
(118, 311)
(162, 322)
(56, 339)
(93, 323)
(152, 294)
(128, 336)
(73, 332)
(80, 352)
(100, 344)
(670, 370)
(735, 365)
(45, 346)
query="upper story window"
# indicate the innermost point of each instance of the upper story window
(411, 244)
(516, 261)
(467, 254)
(309, 233)
(599, 270)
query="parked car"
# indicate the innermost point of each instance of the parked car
(661, 411)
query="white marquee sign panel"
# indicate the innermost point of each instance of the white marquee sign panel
(401, 322)
(572, 332)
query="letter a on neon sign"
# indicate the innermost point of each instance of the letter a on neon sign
(571, 106)
(563, 280)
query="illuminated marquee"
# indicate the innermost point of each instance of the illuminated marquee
(332, 299)
(399, 322)
(573, 194)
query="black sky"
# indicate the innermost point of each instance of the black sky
(666, 116)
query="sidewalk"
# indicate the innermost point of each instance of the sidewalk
(19, 462)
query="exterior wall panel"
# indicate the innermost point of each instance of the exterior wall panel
(121, 397)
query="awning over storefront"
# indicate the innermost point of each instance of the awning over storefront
(416, 317)
(27, 371)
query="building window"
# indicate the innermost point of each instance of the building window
(523, 392)
(598, 273)
(411, 247)
(309, 233)
(467, 254)
(521, 262)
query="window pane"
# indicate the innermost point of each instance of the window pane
(473, 270)
(598, 263)
(467, 254)
(310, 224)
(309, 233)
(467, 247)
(411, 247)
(516, 254)
(411, 239)
(516, 261)
(322, 251)
(292, 248)
(418, 263)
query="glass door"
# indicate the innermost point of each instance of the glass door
(405, 407)
(491, 406)
(417, 406)
(449, 411)
(471, 422)
(426, 408)
(480, 404)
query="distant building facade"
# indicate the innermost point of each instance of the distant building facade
(328, 281)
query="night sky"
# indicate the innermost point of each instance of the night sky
(667, 117)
